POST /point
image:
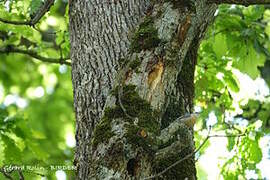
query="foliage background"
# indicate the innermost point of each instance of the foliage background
(36, 113)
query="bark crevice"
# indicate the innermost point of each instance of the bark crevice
(144, 79)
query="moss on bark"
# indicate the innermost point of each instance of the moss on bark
(102, 131)
(135, 107)
(146, 36)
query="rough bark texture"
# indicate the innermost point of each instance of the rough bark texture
(139, 57)
(99, 38)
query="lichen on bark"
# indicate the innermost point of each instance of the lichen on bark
(124, 134)
(128, 141)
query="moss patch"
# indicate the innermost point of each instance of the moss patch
(133, 137)
(102, 131)
(135, 64)
(146, 37)
(122, 62)
(135, 107)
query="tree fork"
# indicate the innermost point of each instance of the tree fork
(156, 43)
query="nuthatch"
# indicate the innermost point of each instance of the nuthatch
(189, 119)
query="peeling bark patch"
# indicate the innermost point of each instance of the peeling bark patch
(183, 29)
(154, 77)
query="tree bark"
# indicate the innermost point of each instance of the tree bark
(99, 38)
(132, 72)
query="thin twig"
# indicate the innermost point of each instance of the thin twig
(179, 161)
(15, 22)
(237, 135)
(120, 94)
(45, 7)
(120, 91)
(12, 49)
(41, 12)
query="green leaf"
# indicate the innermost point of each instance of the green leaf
(254, 12)
(248, 63)
(220, 46)
(37, 150)
(34, 6)
(255, 153)
(38, 134)
(19, 132)
(12, 153)
(231, 143)
(232, 83)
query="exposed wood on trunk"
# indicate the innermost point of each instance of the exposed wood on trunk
(139, 58)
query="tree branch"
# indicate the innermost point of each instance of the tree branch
(15, 22)
(174, 149)
(179, 161)
(240, 2)
(193, 153)
(12, 49)
(46, 7)
(42, 11)
(181, 122)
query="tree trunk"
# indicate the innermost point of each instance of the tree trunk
(133, 67)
